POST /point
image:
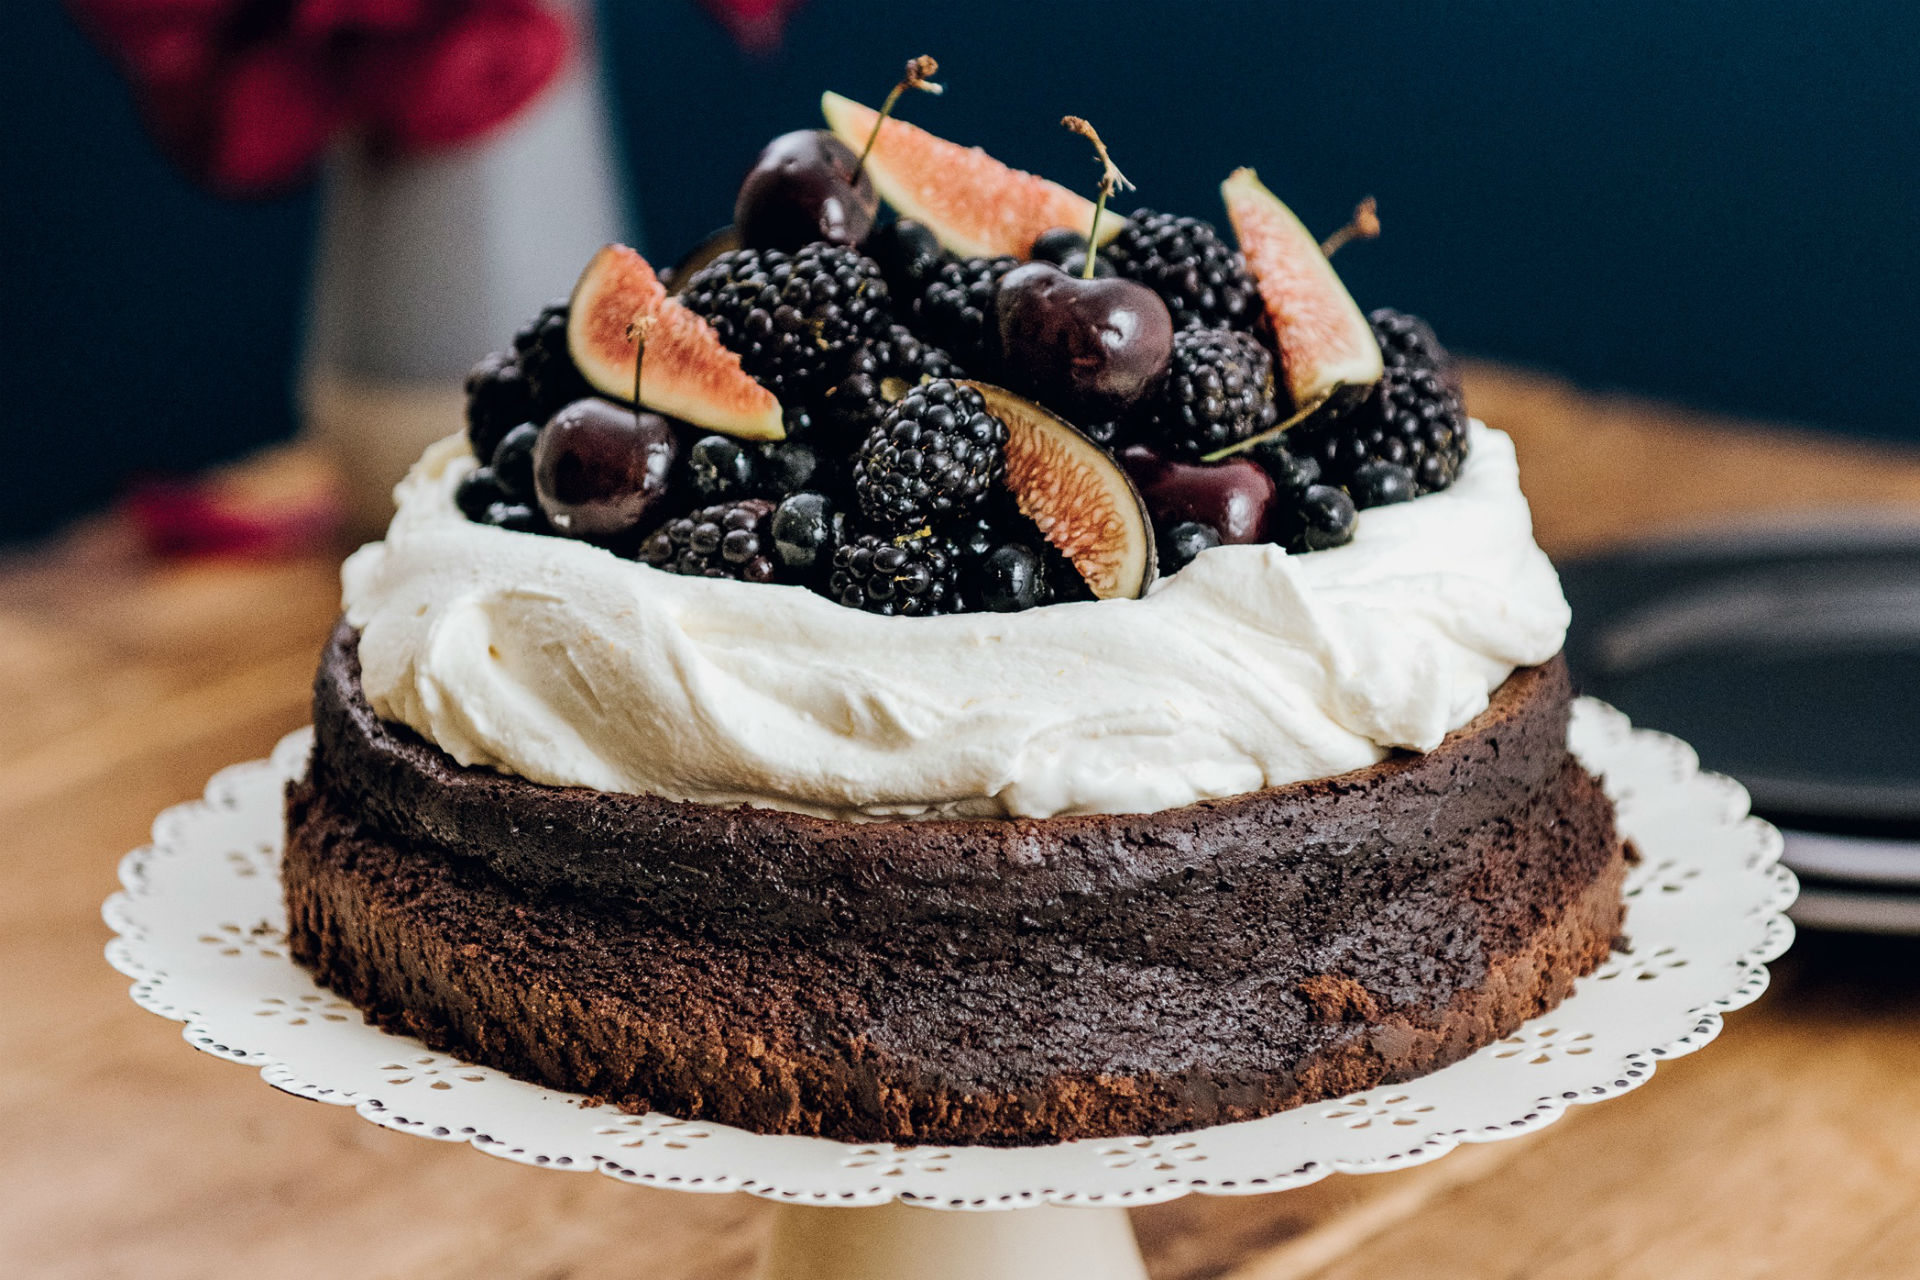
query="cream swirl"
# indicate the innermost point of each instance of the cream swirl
(561, 663)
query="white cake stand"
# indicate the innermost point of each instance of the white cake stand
(201, 933)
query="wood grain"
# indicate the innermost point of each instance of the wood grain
(1792, 1148)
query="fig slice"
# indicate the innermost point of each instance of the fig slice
(687, 372)
(1327, 349)
(1082, 501)
(976, 206)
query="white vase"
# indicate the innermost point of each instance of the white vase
(427, 263)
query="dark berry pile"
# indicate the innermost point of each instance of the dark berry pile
(891, 490)
(1409, 436)
(1202, 279)
(934, 458)
(795, 319)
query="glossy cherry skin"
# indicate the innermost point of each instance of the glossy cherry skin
(1087, 348)
(600, 470)
(800, 190)
(1235, 498)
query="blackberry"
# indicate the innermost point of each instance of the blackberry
(936, 455)
(878, 375)
(914, 576)
(726, 540)
(956, 310)
(1414, 419)
(794, 318)
(1218, 390)
(541, 348)
(1202, 278)
(498, 400)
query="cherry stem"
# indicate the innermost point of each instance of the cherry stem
(1271, 433)
(1111, 180)
(919, 75)
(639, 331)
(1365, 225)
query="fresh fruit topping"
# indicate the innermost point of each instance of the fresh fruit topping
(978, 207)
(1364, 225)
(725, 240)
(1089, 348)
(916, 575)
(956, 309)
(478, 490)
(1081, 501)
(1010, 578)
(689, 372)
(804, 186)
(498, 400)
(795, 319)
(1218, 391)
(600, 471)
(1380, 484)
(726, 540)
(877, 376)
(513, 462)
(1414, 419)
(1184, 541)
(1234, 498)
(1067, 249)
(1320, 518)
(781, 467)
(908, 255)
(933, 458)
(541, 348)
(1202, 279)
(1328, 354)
(806, 527)
(719, 467)
(515, 517)
(1291, 471)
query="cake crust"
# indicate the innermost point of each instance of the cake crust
(997, 981)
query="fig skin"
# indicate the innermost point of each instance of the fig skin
(1091, 348)
(800, 189)
(1236, 498)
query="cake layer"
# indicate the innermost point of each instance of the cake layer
(940, 981)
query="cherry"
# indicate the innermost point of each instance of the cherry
(802, 188)
(600, 469)
(1234, 498)
(1089, 348)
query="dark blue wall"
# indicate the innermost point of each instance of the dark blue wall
(1714, 202)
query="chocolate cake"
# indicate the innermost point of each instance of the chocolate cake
(1009, 981)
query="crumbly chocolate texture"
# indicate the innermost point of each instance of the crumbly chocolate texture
(1006, 981)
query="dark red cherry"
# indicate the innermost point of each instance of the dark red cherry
(601, 470)
(801, 189)
(1088, 348)
(1235, 498)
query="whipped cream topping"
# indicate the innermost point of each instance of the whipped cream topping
(559, 662)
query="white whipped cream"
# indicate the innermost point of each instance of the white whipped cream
(559, 662)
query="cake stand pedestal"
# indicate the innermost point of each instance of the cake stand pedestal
(201, 932)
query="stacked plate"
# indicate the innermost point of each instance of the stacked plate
(1789, 656)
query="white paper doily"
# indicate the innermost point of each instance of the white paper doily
(201, 933)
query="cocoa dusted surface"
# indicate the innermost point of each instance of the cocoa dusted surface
(982, 981)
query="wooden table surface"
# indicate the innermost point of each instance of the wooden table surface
(1789, 1148)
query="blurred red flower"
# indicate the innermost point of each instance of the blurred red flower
(247, 94)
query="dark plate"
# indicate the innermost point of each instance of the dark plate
(1788, 656)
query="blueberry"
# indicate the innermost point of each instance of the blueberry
(1380, 484)
(1292, 472)
(1076, 262)
(1057, 244)
(908, 253)
(1183, 542)
(478, 490)
(1327, 518)
(786, 466)
(518, 517)
(1012, 577)
(719, 467)
(513, 462)
(804, 531)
